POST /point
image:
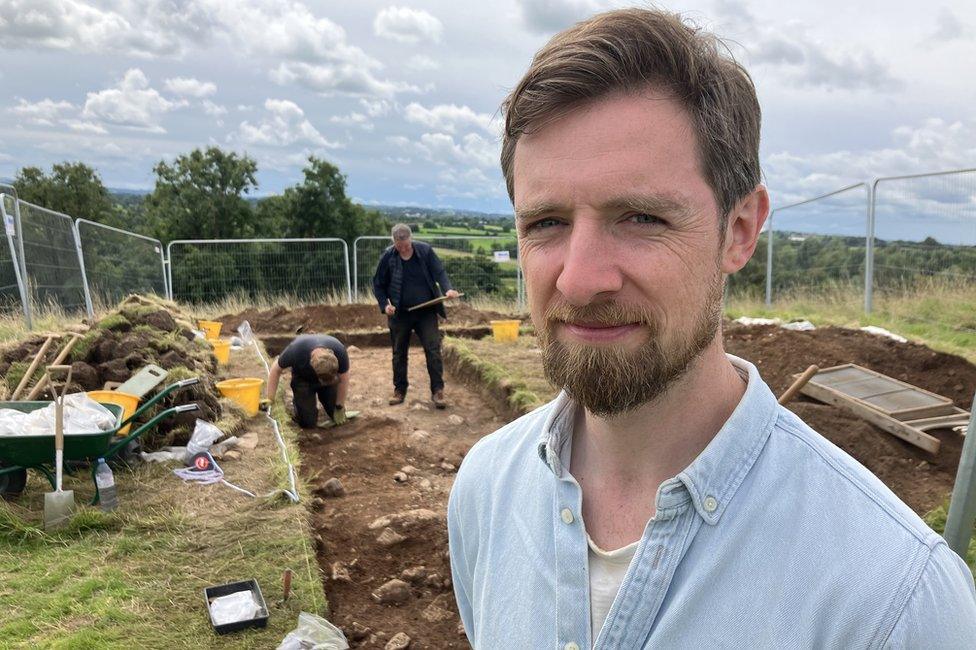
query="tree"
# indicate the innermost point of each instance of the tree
(319, 206)
(72, 188)
(200, 195)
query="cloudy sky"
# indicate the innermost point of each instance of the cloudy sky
(404, 97)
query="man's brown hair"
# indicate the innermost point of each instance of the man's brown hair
(630, 50)
(325, 365)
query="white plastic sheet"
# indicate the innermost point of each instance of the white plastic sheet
(314, 633)
(235, 607)
(82, 414)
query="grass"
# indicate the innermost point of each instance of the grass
(134, 578)
(940, 315)
(513, 369)
(936, 520)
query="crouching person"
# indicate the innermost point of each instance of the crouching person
(319, 367)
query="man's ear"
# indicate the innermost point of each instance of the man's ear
(742, 229)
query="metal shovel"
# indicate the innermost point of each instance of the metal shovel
(60, 504)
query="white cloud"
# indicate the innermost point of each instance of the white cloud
(144, 29)
(422, 63)
(313, 51)
(949, 27)
(130, 103)
(800, 59)
(45, 112)
(932, 145)
(376, 108)
(211, 108)
(82, 126)
(548, 16)
(449, 118)
(189, 87)
(285, 125)
(353, 119)
(342, 79)
(408, 25)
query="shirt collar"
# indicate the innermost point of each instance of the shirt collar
(714, 476)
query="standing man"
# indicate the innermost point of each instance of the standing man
(319, 367)
(410, 273)
(664, 499)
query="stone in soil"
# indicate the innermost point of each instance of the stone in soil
(390, 537)
(414, 574)
(454, 419)
(394, 592)
(400, 641)
(400, 477)
(340, 572)
(332, 488)
(406, 519)
(438, 610)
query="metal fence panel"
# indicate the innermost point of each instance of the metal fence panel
(469, 262)
(118, 262)
(49, 258)
(924, 232)
(818, 245)
(208, 270)
(12, 295)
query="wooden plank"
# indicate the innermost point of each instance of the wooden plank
(958, 419)
(877, 418)
(896, 398)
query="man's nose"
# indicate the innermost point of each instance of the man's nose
(590, 265)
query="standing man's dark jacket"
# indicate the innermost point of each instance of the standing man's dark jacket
(388, 281)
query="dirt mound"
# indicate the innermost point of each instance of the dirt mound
(140, 331)
(920, 479)
(323, 318)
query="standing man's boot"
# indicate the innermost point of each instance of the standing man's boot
(397, 398)
(438, 399)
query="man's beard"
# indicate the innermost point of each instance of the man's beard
(610, 380)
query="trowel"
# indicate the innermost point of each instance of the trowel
(60, 504)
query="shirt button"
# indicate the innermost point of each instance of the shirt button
(710, 504)
(567, 516)
(571, 646)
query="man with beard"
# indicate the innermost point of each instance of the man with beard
(664, 498)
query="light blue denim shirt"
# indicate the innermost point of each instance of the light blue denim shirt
(772, 538)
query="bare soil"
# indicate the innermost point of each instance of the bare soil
(364, 455)
(920, 479)
(322, 318)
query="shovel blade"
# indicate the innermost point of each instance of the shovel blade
(58, 508)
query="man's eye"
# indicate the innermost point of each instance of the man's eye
(645, 218)
(542, 223)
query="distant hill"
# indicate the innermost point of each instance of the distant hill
(414, 213)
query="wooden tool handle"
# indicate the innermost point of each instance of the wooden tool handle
(286, 582)
(798, 384)
(30, 370)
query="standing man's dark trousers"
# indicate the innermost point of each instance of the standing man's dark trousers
(424, 322)
(303, 397)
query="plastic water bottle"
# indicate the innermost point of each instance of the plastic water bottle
(108, 498)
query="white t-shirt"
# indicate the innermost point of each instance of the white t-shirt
(606, 568)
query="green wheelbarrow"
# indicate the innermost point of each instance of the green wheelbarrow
(18, 453)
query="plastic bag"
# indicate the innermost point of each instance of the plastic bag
(235, 607)
(314, 633)
(82, 414)
(204, 435)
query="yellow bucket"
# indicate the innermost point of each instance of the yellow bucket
(246, 391)
(129, 404)
(505, 330)
(221, 350)
(211, 328)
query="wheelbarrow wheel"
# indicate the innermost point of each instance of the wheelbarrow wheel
(12, 483)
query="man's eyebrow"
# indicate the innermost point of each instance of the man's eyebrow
(647, 203)
(650, 204)
(534, 211)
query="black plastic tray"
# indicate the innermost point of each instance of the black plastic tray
(232, 588)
